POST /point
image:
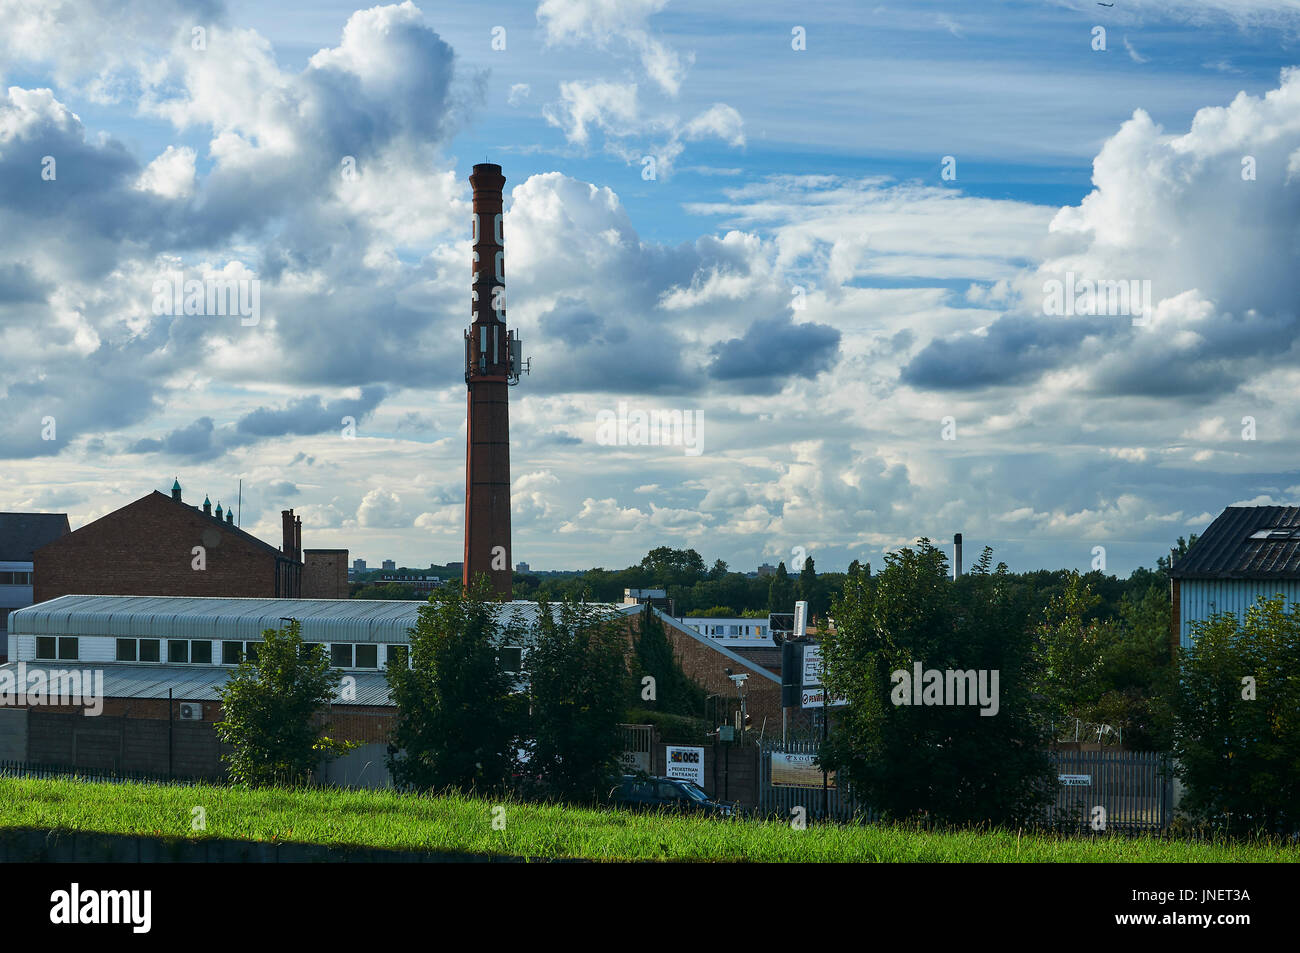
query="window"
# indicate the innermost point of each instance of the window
(231, 652)
(178, 650)
(201, 652)
(149, 649)
(69, 647)
(669, 792)
(45, 646)
(125, 650)
(15, 579)
(511, 658)
(341, 655)
(398, 654)
(367, 656)
(250, 650)
(306, 649)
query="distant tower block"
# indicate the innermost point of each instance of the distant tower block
(492, 364)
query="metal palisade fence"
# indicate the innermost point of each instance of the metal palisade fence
(1132, 789)
(27, 769)
(1112, 789)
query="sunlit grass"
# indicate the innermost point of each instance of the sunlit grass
(459, 823)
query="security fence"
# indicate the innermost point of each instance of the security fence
(1102, 790)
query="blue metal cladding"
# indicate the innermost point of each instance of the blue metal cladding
(1198, 599)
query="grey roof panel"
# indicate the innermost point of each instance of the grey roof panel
(1226, 550)
(323, 620)
(189, 682)
(21, 534)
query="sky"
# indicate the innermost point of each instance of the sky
(828, 234)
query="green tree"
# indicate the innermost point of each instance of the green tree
(456, 716)
(780, 592)
(275, 711)
(666, 566)
(1111, 672)
(653, 656)
(946, 762)
(578, 689)
(805, 587)
(1237, 730)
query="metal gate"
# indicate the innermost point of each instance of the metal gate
(637, 741)
(782, 797)
(1132, 789)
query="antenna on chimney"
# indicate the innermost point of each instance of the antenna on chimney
(241, 502)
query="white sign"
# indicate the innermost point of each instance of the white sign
(812, 666)
(800, 619)
(686, 763)
(634, 761)
(1075, 780)
(816, 698)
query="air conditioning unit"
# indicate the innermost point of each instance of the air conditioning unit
(191, 711)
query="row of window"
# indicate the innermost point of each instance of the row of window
(735, 631)
(15, 579)
(199, 652)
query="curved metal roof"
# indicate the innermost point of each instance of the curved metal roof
(190, 682)
(193, 617)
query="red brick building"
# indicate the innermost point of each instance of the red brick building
(162, 546)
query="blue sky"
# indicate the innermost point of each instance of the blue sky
(799, 271)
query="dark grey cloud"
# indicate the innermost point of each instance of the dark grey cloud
(608, 354)
(193, 441)
(309, 415)
(202, 440)
(771, 352)
(20, 285)
(1015, 350)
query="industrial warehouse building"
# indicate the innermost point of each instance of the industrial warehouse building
(161, 659)
(1247, 552)
(160, 545)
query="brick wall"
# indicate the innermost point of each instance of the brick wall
(146, 548)
(325, 574)
(707, 667)
(730, 770)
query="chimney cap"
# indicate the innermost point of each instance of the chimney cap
(956, 538)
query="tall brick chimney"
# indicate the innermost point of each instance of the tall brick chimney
(297, 538)
(492, 363)
(287, 534)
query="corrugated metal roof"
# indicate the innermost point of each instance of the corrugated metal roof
(187, 682)
(1226, 549)
(193, 617)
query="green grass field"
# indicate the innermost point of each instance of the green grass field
(464, 824)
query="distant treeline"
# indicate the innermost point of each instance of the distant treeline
(699, 590)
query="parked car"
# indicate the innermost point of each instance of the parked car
(645, 793)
